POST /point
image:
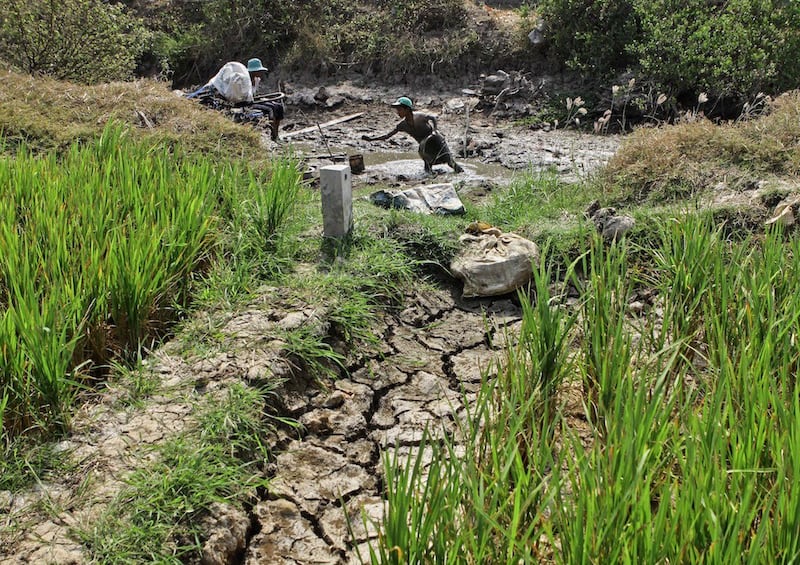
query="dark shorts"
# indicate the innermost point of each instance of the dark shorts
(434, 150)
(274, 110)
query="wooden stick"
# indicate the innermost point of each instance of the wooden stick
(326, 124)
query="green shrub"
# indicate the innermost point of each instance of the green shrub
(591, 36)
(429, 15)
(81, 40)
(210, 33)
(736, 48)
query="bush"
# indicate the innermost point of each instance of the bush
(591, 36)
(732, 49)
(81, 40)
(209, 34)
(727, 49)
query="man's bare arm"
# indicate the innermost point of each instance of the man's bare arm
(366, 137)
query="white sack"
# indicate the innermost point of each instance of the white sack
(491, 264)
(233, 83)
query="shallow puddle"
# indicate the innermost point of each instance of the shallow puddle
(403, 166)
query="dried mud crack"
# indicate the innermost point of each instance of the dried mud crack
(325, 500)
(325, 495)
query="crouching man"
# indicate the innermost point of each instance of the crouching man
(433, 149)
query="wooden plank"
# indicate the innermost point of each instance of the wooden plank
(326, 124)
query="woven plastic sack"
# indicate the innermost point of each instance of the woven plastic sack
(232, 81)
(494, 263)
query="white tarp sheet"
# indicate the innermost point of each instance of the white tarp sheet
(426, 199)
(233, 83)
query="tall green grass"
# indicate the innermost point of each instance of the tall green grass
(100, 249)
(688, 451)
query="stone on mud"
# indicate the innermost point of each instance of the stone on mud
(226, 527)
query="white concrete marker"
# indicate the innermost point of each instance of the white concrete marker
(336, 185)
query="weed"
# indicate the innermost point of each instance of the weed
(157, 516)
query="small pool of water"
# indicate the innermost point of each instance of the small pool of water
(406, 166)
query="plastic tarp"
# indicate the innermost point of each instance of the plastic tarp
(494, 263)
(426, 199)
(232, 81)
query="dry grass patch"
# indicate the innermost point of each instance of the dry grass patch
(46, 114)
(664, 163)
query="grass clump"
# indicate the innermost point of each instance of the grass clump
(665, 164)
(158, 516)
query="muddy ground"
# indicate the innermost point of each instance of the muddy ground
(433, 356)
(497, 145)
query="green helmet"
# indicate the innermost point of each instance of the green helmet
(404, 101)
(254, 65)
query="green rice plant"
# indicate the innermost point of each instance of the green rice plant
(272, 199)
(538, 364)
(261, 227)
(684, 264)
(99, 243)
(606, 344)
(421, 517)
(507, 472)
(692, 475)
(614, 496)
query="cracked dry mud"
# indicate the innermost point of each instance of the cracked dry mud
(435, 355)
(431, 361)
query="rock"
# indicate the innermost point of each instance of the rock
(321, 95)
(454, 106)
(493, 84)
(785, 212)
(537, 35)
(334, 101)
(593, 207)
(610, 225)
(617, 226)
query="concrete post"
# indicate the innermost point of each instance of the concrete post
(336, 186)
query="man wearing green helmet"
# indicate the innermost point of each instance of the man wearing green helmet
(433, 148)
